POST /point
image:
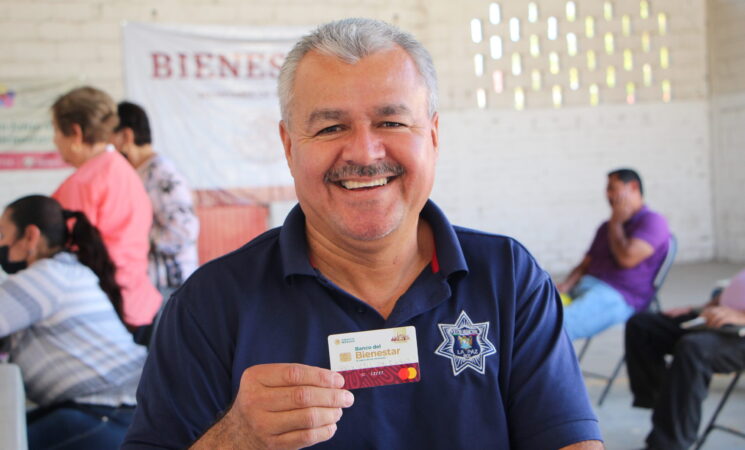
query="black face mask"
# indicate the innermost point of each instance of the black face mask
(10, 267)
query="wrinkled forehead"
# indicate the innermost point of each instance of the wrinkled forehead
(395, 59)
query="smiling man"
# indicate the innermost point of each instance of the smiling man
(472, 349)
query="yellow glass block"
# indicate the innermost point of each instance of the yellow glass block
(495, 13)
(535, 79)
(626, 25)
(647, 75)
(535, 46)
(495, 47)
(644, 9)
(664, 58)
(556, 96)
(553, 62)
(514, 29)
(498, 81)
(646, 42)
(553, 28)
(573, 79)
(571, 11)
(481, 98)
(476, 31)
(630, 93)
(594, 94)
(532, 12)
(610, 76)
(662, 23)
(608, 11)
(628, 60)
(478, 64)
(589, 27)
(609, 43)
(592, 62)
(572, 44)
(517, 65)
(519, 99)
(666, 91)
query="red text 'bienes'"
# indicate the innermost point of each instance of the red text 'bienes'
(205, 65)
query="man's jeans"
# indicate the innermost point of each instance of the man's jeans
(595, 306)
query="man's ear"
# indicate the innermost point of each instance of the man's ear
(436, 131)
(284, 134)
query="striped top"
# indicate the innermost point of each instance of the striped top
(66, 336)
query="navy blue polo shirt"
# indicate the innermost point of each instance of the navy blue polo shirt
(514, 383)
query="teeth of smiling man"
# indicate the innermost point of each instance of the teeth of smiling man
(349, 184)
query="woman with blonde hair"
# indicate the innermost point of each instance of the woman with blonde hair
(106, 188)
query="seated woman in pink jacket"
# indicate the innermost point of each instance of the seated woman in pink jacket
(109, 192)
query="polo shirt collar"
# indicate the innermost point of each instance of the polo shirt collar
(294, 245)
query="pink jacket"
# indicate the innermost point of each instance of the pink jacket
(107, 189)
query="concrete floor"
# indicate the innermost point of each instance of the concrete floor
(625, 427)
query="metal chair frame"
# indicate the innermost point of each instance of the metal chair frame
(712, 423)
(654, 306)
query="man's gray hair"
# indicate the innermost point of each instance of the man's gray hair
(351, 40)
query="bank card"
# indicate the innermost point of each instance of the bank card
(376, 357)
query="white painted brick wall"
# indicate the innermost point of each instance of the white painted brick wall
(538, 175)
(726, 24)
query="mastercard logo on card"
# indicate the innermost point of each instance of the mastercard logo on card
(376, 357)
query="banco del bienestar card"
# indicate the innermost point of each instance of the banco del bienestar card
(376, 357)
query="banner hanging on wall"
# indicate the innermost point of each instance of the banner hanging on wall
(26, 133)
(210, 94)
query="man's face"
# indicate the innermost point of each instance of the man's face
(360, 143)
(617, 189)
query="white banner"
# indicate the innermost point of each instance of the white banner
(26, 131)
(210, 94)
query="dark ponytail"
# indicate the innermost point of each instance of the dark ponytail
(84, 239)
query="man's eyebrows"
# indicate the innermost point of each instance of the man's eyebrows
(324, 114)
(327, 114)
(392, 110)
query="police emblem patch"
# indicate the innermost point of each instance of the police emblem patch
(465, 343)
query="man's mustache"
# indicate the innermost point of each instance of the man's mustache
(354, 170)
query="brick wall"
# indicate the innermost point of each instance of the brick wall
(537, 174)
(540, 175)
(726, 24)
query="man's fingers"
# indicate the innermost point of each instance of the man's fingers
(297, 397)
(304, 438)
(276, 375)
(305, 419)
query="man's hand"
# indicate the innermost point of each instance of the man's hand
(716, 316)
(563, 287)
(283, 406)
(677, 312)
(621, 208)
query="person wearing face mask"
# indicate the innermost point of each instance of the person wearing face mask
(60, 309)
(173, 236)
(106, 188)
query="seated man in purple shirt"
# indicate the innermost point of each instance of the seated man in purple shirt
(615, 278)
